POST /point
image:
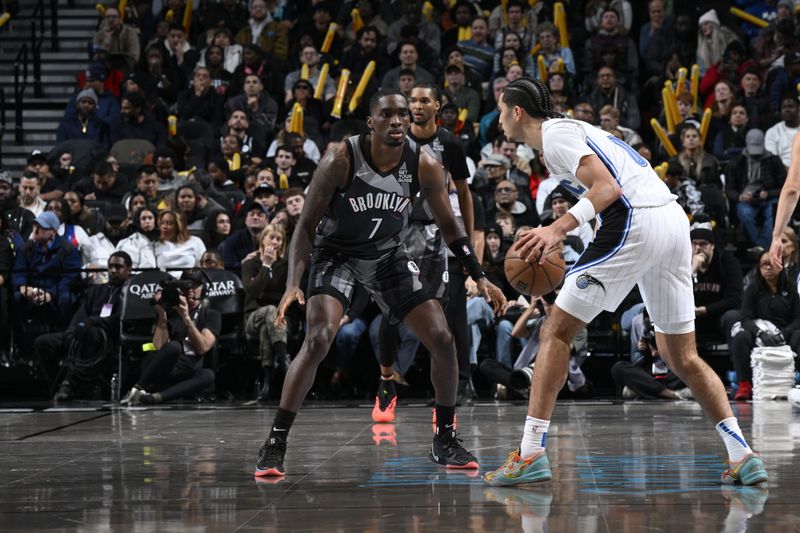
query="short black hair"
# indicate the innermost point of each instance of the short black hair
(531, 95)
(375, 98)
(437, 92)
(135, 99)
(125, 257)
(285, 148)
(147, 169)
(103, 168)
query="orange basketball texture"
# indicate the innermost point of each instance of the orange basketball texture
(536, 279)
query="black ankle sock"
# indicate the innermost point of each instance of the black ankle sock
(281, 425)
(387, 387)
(444, 419)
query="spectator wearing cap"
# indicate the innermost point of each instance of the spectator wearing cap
(408, 56)
(314, 114)
(712, 39)
(261, 109)
(755, 179)
(270, 35)
(118, 39)
(778, 139)
(688, 197)
(50, 187)
(505, 201)
(29, 197)
(717, 285)
(183, 336)
(44, 270)
(201, 101)
(104, 185)
(136, 124)
(265, 195)
(577, 239)
(107, 108)
(84, 125)
(242, 244)
(463, 96)
(175, 248)
(782, 81)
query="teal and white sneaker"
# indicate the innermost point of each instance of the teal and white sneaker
(749, 471)
(518, 470)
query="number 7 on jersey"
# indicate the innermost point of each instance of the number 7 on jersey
(377, 222)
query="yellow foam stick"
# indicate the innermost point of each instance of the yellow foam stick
(344, 79)
(297, 118)
(101, 9)
(463, 114)
(682, 72)
(319, 92)
(533, 3)
(361, 87)
(5, 17)
(427, 10)
(661, 170)
(358, 22)
(172, 125)
(148, 347)
(798, 85)
(464, 34)
(187, 16)
(536, 48)
(560, 66)
(283, 181)
(236, 162)
(663, 137)
(123, 4)
(673, 103)
(668, 110)
(747, 17)
(704, 124)
(542, 68)
(560, 17)
(304, 75)
(694, 83)
(326, 44)
(504, 10)
(169, 16)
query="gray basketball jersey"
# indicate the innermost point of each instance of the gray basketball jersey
(369, 217)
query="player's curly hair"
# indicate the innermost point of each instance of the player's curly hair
(531, 95)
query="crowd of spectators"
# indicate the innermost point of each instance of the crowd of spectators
(178, 149)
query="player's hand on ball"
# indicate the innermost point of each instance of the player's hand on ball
(493, 295)
(535, 243)
(292, 294)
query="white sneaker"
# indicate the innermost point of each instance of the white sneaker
(628, 393)
(685, 393)
(133, 397)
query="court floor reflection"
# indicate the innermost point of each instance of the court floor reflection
(617, 467)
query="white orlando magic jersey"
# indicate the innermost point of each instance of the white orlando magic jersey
(566, 141)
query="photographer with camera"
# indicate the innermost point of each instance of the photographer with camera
(648, 376)
(93, 332)
(770, 316)
(186, 330)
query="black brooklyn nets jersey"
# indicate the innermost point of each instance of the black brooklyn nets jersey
(370, 216)
(446, 149)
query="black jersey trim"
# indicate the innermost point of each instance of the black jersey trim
(368, 159)
(613, 232)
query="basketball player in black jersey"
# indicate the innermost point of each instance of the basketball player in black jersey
(423, 238)
(359, 203)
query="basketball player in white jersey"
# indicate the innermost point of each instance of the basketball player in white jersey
(643, 239)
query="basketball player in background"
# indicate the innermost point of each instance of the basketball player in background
(424, 240)
(359, 204)
(787, 203)
(643, 239)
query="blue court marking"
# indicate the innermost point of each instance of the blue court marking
(648, 474)
(418, 471)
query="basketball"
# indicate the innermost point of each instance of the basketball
(537, 279)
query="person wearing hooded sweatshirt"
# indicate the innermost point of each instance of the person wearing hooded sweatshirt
(139, 246)
(755, 179)
(717, 284)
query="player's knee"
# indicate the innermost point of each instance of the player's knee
(319, 339)
(441, 342)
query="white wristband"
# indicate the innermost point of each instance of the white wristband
(583, 211)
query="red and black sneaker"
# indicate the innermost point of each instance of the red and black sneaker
(270, 459)
(447, 450)
(385, 402)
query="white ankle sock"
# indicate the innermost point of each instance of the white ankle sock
(534, 436)
(734, 440)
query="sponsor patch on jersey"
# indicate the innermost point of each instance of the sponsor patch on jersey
(584, 280)
(413, 268)
(403, 176)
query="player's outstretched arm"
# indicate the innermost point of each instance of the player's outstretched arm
(603, 191)
(331, 173)
(786, 204)
(431, 181)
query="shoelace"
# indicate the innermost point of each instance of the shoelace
(274, 452)
(453, 445)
